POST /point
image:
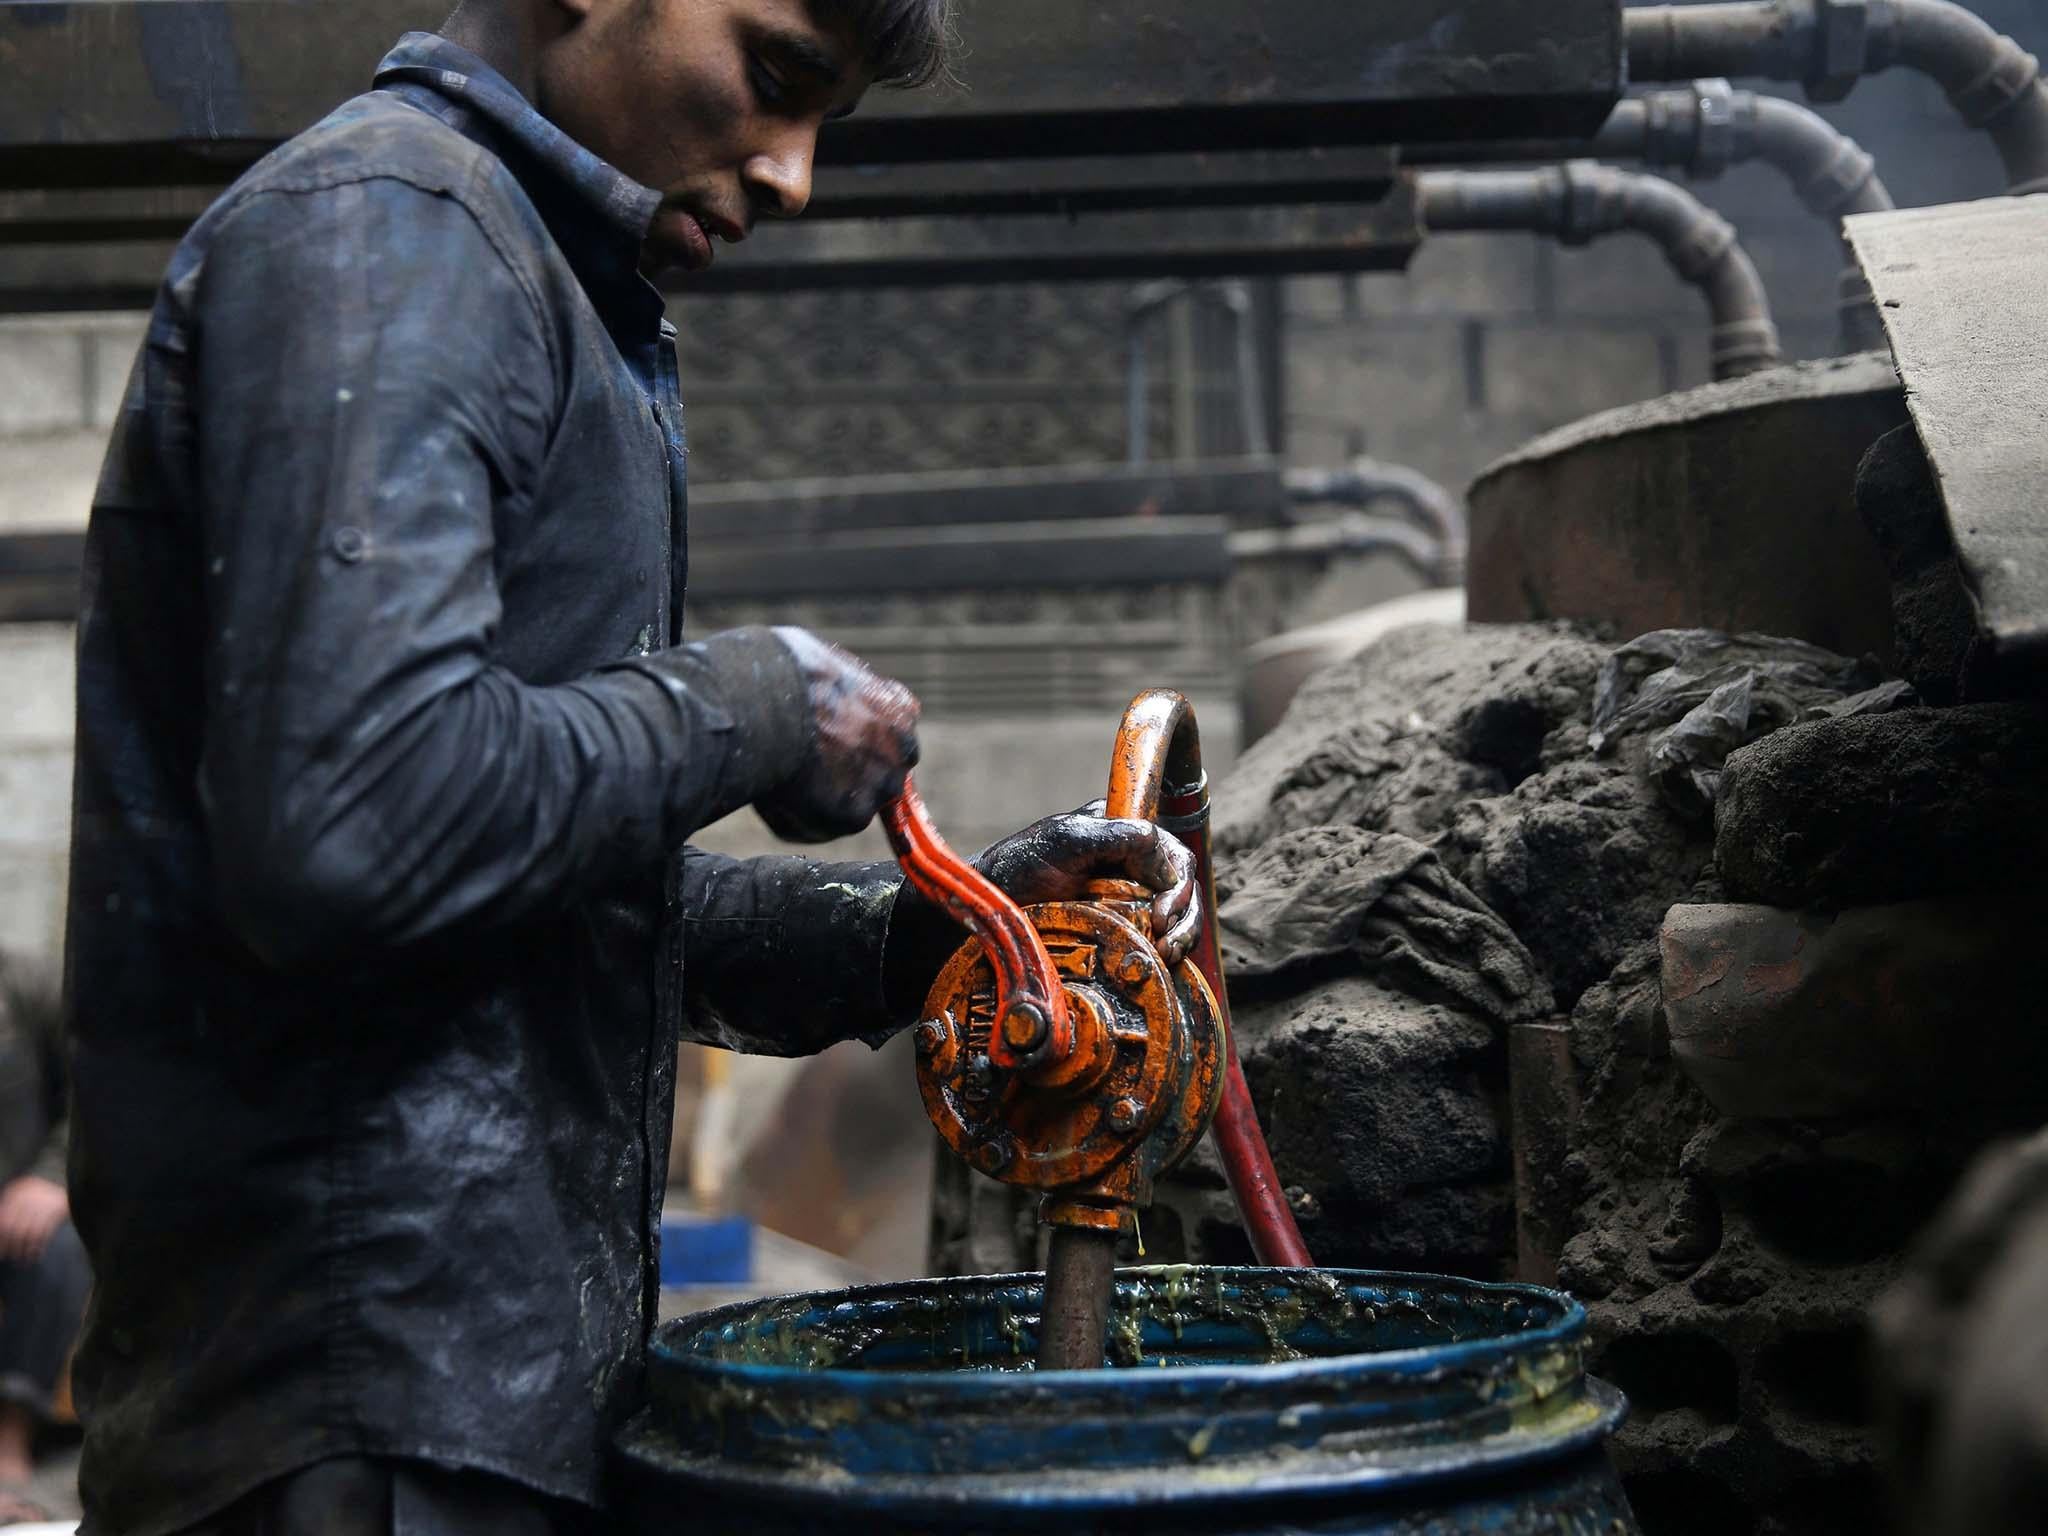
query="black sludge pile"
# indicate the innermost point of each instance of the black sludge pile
(1425, 852)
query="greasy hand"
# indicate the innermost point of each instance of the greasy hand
(1054, 859)
(31, 1210)
(866, 741)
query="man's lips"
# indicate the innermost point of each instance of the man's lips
(693, 241)
(690, 236)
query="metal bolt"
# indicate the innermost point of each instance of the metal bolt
(992, 1156)
(1025, 1027)
(1132, 967)
(1125, 1114)
(931, 1034)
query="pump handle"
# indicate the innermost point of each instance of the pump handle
(1031, 1018)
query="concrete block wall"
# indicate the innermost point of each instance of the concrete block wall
(61, 379)
(1489, 340)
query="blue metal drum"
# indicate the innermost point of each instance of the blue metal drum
(1238, 1400)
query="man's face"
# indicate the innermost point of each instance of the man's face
(715, 103)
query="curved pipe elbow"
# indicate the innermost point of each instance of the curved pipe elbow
(1992, 81)
(1832, 173)
(1703, 248)
(1581, 201)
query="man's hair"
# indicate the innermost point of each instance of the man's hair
(907, 43)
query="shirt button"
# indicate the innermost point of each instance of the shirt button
(349, 544)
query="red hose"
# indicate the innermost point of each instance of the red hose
(1247, 1164)
(1254, 1182)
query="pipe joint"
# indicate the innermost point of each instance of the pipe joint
(2008, 78)
(1743, 347)
(1703, 246)
(1591, 201)
(1717, 124)
(1836, 186)
(1844, 35)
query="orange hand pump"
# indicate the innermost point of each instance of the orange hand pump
(1061, 1053)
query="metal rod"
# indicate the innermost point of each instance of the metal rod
(1080, 1278)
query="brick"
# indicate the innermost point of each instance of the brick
(42, 376)
(35, 788)
(1621, 275)
(1477, 275)
(1366, 377)
(37, 672)
(46, 481)
(1559, 373)
(115, 343)
(1317, 298)
(32, 906)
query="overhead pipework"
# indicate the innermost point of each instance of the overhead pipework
(1705, 127)
(1828, 45)
(1580, 201)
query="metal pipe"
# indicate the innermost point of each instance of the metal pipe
(1366, 481)
(1827, 45)
(1080, 1281)
(1581, 201)
(1354, 533)
(1707, 126)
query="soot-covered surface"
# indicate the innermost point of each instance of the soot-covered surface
(1728, 1265)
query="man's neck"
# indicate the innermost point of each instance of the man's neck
(505, 34)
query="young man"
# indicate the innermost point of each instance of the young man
(388, 749)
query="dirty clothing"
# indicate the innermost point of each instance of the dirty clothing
(43, 1300)
(387, 747)
(42, 1303)
(355, 1496)
(34, 1133)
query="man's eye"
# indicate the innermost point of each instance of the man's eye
(767, 85)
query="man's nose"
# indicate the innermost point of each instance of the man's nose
(779, 175)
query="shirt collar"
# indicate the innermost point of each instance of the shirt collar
(567, 182)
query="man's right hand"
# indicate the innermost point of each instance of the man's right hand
(863, 745)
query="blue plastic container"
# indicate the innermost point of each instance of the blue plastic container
(1240, 1400)
(706, 1250)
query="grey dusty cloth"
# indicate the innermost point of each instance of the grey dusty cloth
(1700, 694)
(1383, 900)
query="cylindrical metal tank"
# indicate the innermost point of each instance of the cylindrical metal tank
(1727, 507)
(1238, 1400)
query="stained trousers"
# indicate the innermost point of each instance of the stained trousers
(367, 1496)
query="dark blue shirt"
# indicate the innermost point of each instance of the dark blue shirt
(388, 749)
